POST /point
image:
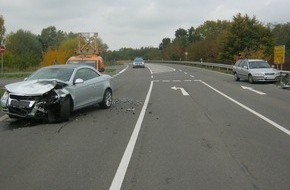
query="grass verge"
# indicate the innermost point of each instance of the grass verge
(1, 93)
(14, 75)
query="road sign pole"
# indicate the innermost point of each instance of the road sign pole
(281, 66)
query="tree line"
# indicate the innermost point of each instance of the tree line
(214, 41)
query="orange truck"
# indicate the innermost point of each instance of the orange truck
(88, 52)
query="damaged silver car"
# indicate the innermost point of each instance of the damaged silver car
(53, 92)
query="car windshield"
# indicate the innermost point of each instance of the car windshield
(138, 59)
(258, 64)
(82, 62)
(63, 74)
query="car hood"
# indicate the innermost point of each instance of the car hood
(265, 70)
(33, 87)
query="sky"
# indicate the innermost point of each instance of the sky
(133, 23)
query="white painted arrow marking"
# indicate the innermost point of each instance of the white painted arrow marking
(251, 89)
(182, 90)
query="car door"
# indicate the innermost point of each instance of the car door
(243, 71)
(86, 92)
(97, 83)
(237, 68)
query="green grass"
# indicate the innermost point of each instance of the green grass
(1, 93)
(109, 70)
(14, 75)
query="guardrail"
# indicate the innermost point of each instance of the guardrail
(285, 75)
(218, 66)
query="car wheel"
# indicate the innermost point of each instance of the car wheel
(236, 77)
(250, 78)
(51, 116)
(107, 99)
(64, 112)
(13, 117)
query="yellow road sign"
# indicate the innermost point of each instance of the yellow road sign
(279, 54)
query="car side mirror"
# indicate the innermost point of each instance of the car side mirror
(102, 69)
(79, 81)
(245, 67)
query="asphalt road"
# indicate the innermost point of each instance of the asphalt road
(170, 127)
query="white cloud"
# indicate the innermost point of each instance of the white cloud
(130, 23)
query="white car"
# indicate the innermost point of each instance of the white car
(255, 70)
(139, 62)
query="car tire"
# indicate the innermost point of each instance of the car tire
(107, 99)
(51, 116)
(13, 117)
(250, 78)
(64, 112)
(236, 77)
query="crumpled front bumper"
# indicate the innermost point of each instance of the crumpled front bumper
(26, 106)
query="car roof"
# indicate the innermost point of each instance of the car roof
(254, 60)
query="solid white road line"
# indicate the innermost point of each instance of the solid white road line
(124, 69)
(120, 174)
(249, 109)
(4, 117)
(151, 72)
(114, 76)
